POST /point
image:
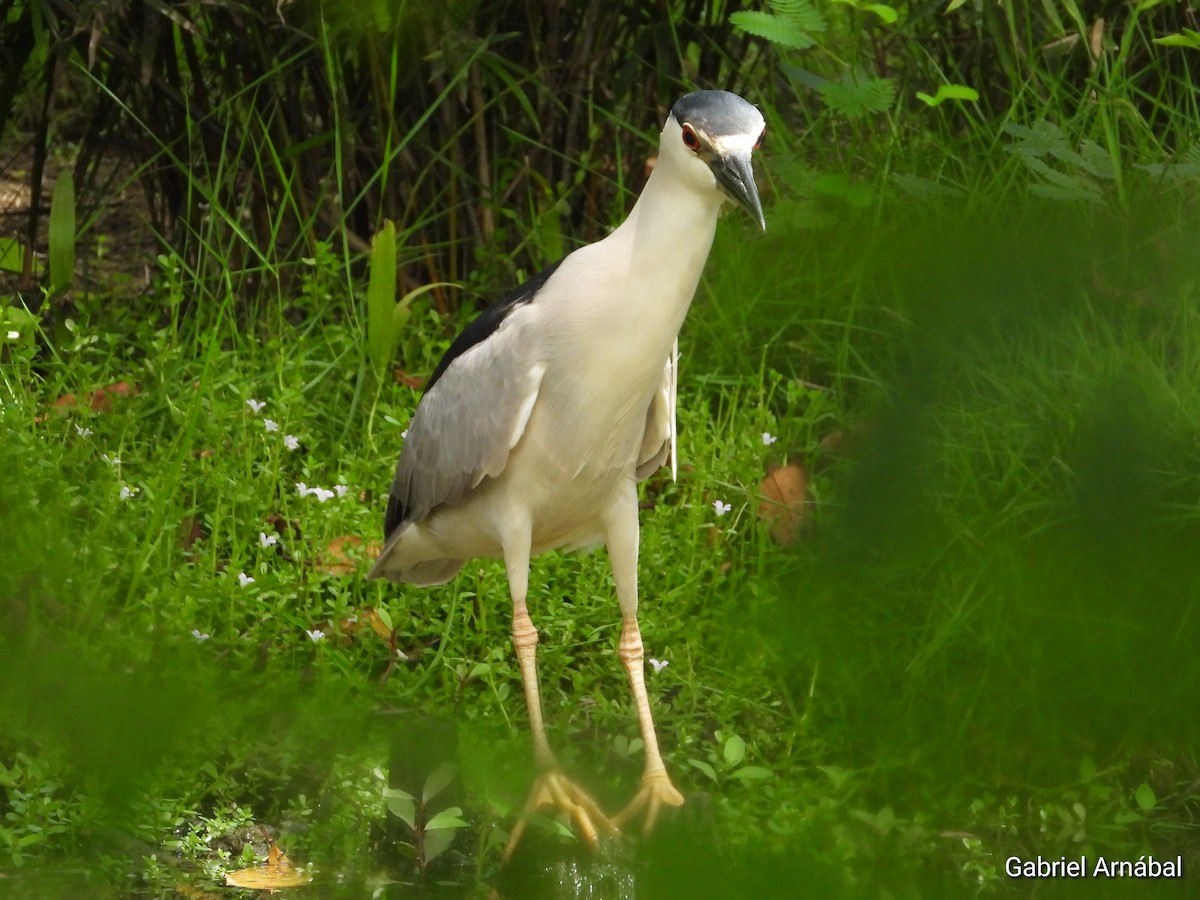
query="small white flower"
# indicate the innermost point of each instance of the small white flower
(768, 439)
(321, 494)
(404, 434)
(256, 406)
(83, 432)
(200, 635)
(111, 460)
(303, 489)
(270, 425)
(316, 635)
(244, 579)
(266, 540)
(658, 664)
(291, 442)
(13, 335)
(127, 491)
(721, 508)
(341, 489)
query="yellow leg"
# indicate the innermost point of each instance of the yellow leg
(657, 790)
(551, 788)
(525, 641)
(621, 538)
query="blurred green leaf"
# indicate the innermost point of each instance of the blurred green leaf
(436, 842)
(948, 92)
(381, 298)
(705, 768)
(1186, 38)
(1144, 795)
(776, 29)
(858, 94)
(752, 773)
(451, 817)
(62, 234)
(735, 750)
(10, 254)
(402, 805)
(437, 781)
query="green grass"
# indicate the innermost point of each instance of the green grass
(982, 646)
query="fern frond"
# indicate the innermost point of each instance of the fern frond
(801, 13)
(857, 96)
(776, 29)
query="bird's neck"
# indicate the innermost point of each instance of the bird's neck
(669, 233)
(673, 226)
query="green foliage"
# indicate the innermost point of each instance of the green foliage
(948, 92)
(62, 234)
(385, 317)
(787, 29)
(1186, 38)
(1064, 172)
(432, 832)
(38, 808)
(857, 94)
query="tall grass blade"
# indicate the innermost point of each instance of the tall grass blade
(62, 234)
(381, 298)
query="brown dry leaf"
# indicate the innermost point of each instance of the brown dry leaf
(371, 617)
(191, 529)
(100, 399)
(833, 441)
(284, 527)
(278, 873)
(416, 382)
(346, 554)
(1096, 39)
(783, 492)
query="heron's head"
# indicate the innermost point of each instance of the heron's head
(710, 137)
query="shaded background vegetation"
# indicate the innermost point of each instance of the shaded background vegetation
(497, 134)
(973, 321)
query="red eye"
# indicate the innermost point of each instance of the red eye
(762, 137)
(690, 139)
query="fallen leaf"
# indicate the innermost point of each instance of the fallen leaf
(833, 441)
(783, 491)
(1096, 39)
(190, 531)
(345, 555)
(377, 624)
(99, 400)
(278, 873)
(415, 382)
(284, 527)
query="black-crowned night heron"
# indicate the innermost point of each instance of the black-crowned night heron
(547, 410)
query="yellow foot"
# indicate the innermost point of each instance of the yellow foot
(553, 788)
(656, 792)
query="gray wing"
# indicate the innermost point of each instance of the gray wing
(659, 439)
(467, 422)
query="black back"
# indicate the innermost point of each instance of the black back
(481, 328)
(485, 324)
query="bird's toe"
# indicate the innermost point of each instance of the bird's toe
(655, 793)
(553, 789)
